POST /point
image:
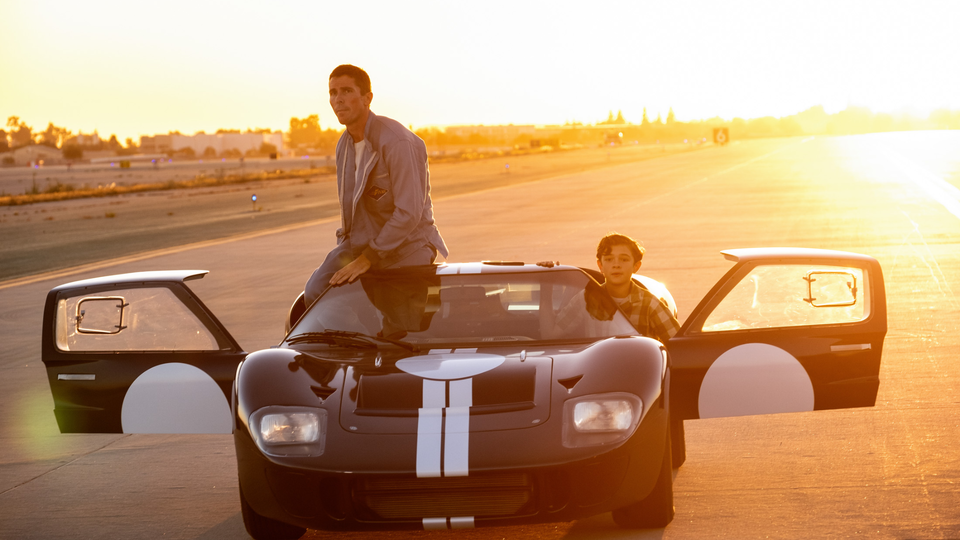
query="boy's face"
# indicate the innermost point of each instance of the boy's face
(618, 265)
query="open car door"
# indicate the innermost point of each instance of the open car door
(137, 353)
(785, 330)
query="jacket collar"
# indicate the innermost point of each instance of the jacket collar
(368, 159)
(368, 127)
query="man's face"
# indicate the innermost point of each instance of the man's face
(618, 265)
(346, 100)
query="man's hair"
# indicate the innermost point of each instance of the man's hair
(359, 76)
(614, 239)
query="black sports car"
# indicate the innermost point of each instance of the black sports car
(454, 395)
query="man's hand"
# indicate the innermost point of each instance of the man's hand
(548, 264)
(351, 271)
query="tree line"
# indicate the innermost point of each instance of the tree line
(306, 135)
(21, 134)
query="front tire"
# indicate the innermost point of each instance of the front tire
(264, 528)
(678, 443)
(656, 510)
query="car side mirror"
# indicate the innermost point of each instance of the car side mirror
(830, 289)
(100, 315)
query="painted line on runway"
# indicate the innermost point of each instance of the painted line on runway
(655, 198)
(937, 188)
(120, 436)
(944, 193)
(568, 176)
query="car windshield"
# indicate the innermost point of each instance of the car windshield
(439, 305)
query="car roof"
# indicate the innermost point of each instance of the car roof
(485, 267)
(494, 267)
(135, 277)
(790, 253)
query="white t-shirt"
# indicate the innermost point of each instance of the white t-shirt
(357, 184)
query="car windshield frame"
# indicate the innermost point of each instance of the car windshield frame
(442, 307)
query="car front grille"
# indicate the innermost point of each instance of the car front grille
(488, 495)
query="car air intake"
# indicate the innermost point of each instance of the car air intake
(489, 495)
(509, 387)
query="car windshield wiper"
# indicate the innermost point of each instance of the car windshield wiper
(334, 338)
(349, 339)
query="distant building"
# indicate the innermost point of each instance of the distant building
(156, 144)
(220, 142)
(93, 139)
(36, 154)
(84, 140)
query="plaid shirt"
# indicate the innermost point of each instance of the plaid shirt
(649, 315)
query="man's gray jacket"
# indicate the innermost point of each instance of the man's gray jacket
(389, 214)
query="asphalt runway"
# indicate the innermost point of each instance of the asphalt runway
(36, 238)
(891, 471)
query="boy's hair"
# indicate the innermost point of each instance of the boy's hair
(614, 239)
(358, 75)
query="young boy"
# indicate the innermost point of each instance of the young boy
(618, 257)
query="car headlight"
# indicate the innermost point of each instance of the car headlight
(288, 428)
(600, 419)
(603, 415)
(289, 431)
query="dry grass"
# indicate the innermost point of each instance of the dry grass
(62, 192)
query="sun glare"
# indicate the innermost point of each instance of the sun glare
(131, 69)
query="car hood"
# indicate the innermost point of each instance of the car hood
(393, 411)
(502, 390)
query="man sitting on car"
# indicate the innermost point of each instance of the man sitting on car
(618, 257)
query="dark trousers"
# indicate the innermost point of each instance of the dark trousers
(343, 255)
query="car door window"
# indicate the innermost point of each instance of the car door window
(774, 296)
(134, 319)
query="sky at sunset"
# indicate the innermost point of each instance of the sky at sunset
(133, 68)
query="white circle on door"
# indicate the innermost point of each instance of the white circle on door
(175, 398)
(755, 378)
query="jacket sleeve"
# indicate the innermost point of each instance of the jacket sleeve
(408, 176)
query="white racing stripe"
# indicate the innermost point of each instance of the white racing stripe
(456, 442)
(459, 364)
(461, 522)
(457, 429)
(448, 269)
(443, 432)
(443, 424)
(434, 394)
(429, 442)
(436, 524)
(461, 393)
